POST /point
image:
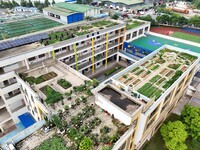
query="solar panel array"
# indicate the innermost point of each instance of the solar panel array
(23, 41)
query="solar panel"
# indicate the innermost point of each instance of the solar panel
(23, 41)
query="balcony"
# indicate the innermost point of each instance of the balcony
(4, 115)
(2, 103)
(17, 106)
(12, 94)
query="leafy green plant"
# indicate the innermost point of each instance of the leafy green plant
(65, 84)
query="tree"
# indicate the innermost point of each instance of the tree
(46, 3)
(53, 2)
(57, 121)
(115, 16)
(174, 135)
(86, 144)
(191, 118)
(23, 3)
(79, 2)
(195, 21)
(14, 3)
(29, 4)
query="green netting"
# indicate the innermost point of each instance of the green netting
(8, 30)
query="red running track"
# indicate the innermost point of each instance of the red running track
(166, 30)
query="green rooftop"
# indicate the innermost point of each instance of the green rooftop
(74, 7)
(127, 2)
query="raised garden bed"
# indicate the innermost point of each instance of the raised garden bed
(144, 75)
(137, 68)
(160, 61)
(40, 79)
(174, 66)
(109, 72)
(149, 66)
(160, 81)
(52, 95)
(163, 71)
(155, 67)
(139, 72)
(155, 78)
(188, 56)
(64, 84)
(172, 80)
(144, 87)
(169, 73)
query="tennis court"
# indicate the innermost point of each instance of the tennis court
(152, 43)
(17, 28)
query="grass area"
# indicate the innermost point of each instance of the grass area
(109, 72)
(31, 80)
(132, 24)
(186, 36)
(157, 142)
(65, 84)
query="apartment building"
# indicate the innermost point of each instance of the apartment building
(144, 94)
(86, 50)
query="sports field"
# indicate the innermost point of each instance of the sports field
(181, 33)
(17, 28)
(186, 36)
(153, 42)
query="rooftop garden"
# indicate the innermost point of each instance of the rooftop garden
(64, 84)
(52, 95)
(83, 122)
(152, 79)
(37, 80)
(69, 33)
(132, 24)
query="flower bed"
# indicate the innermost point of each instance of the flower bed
(63, 83)
(52, 95)
(40, 79)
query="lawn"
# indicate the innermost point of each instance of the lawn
(157, 142)
(186, 36)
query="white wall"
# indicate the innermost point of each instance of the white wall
(117, 112)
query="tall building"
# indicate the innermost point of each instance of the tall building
(87, 47)
(141, 96)
(144, 94)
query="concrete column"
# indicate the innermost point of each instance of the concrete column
(138, 33)
(117, 58)
(27, 64)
